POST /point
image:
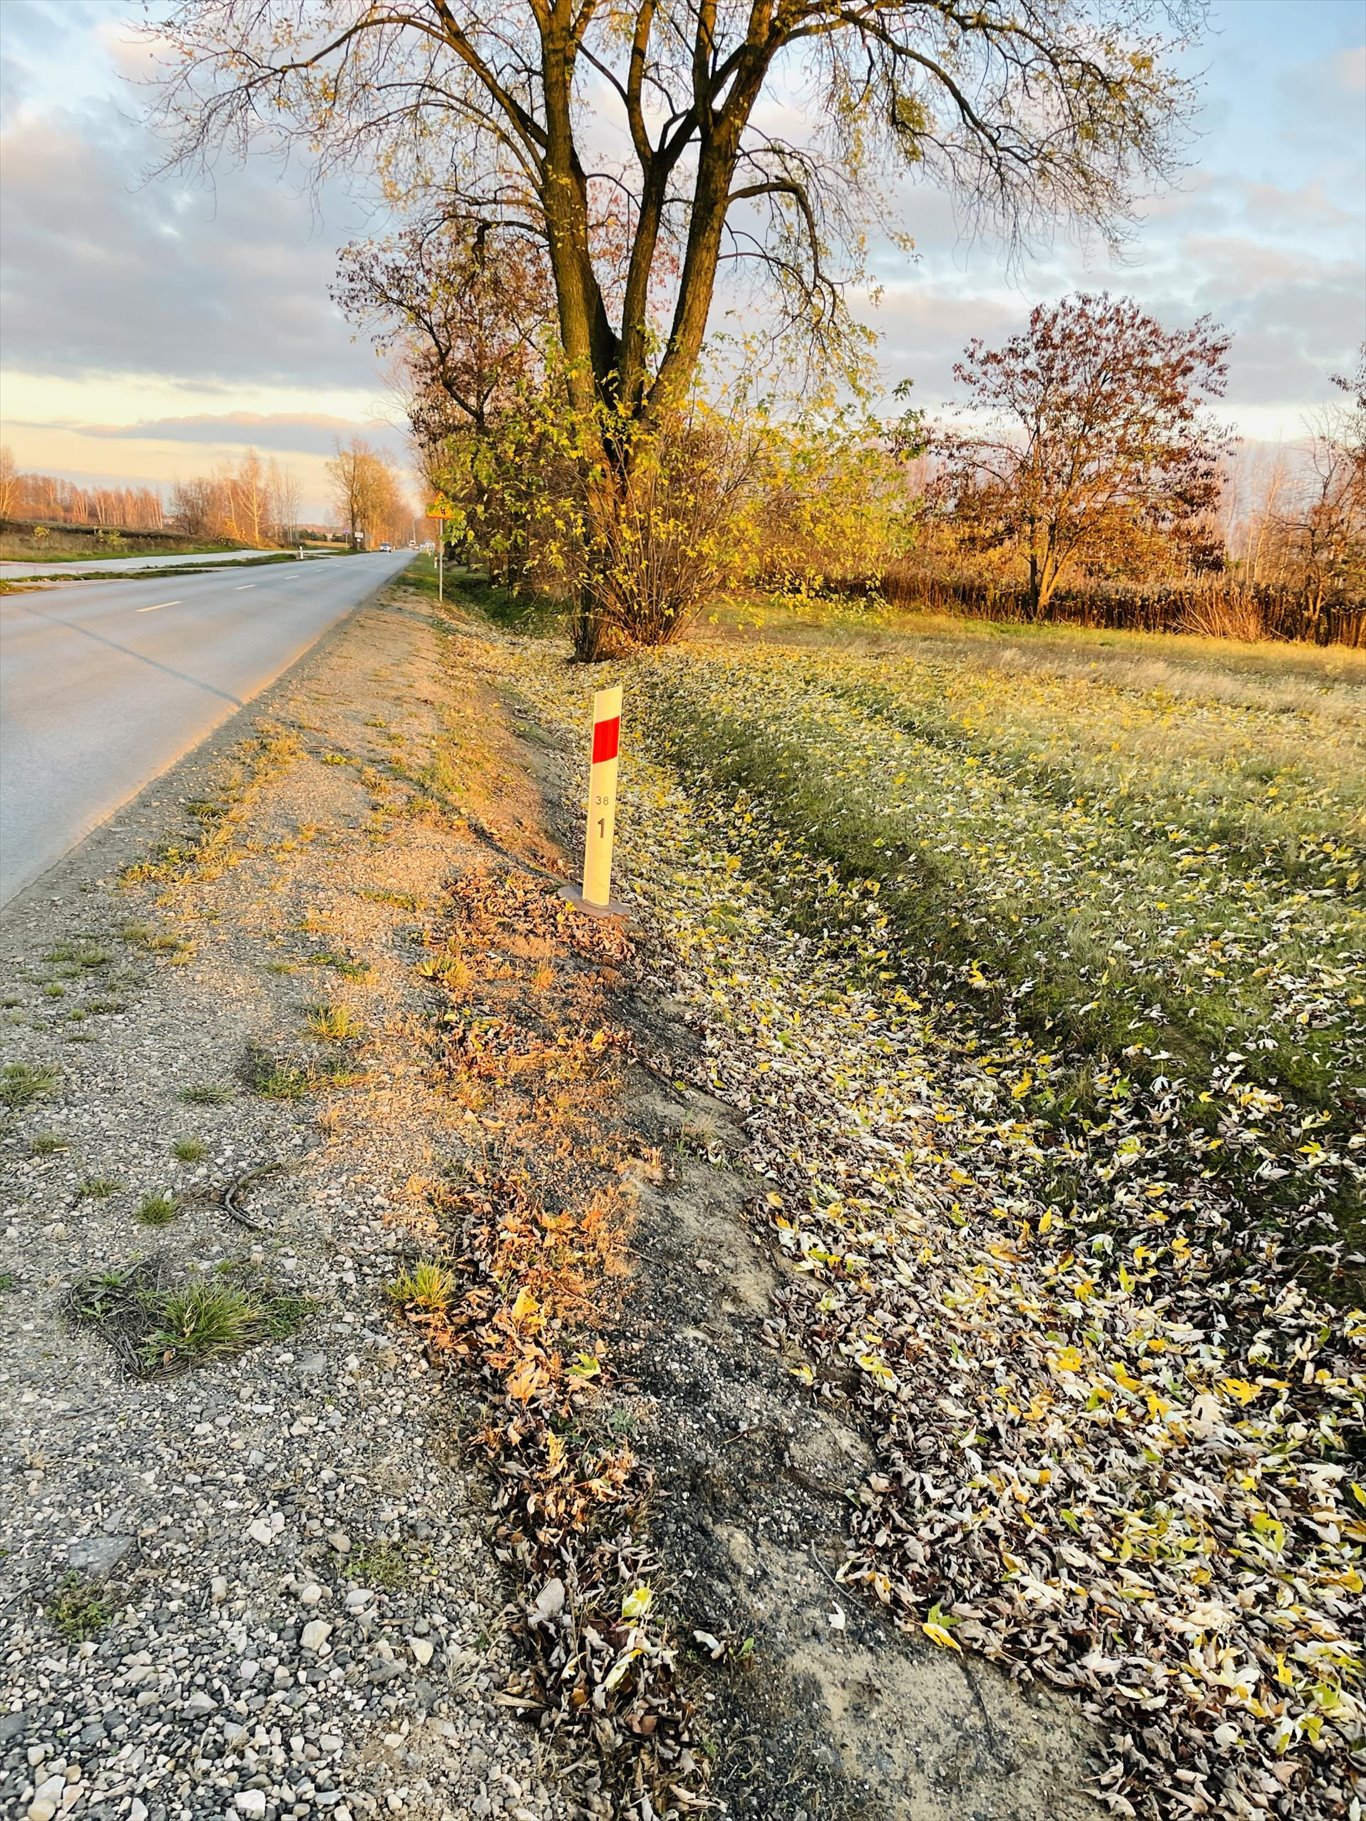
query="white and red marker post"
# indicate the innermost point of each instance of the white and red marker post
(602, 805)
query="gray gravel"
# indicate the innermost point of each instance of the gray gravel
(301, 1610)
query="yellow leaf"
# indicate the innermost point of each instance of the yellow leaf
(526, 1381)
(637, 1603)
(938, 1635)
(525, 1306)
(1239, 1388)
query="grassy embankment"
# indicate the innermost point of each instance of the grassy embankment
(1140, 857)
(1034, 966)
(1129, 865)
(84, 547)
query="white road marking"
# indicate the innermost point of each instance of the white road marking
(243, 587)
(158, 607)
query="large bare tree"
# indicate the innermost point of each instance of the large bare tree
(639, 142)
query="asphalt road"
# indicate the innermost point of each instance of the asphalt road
(103, 686)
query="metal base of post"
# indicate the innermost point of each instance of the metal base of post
(572, 895)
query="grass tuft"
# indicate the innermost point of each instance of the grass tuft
(426, 1289)
(159, 1324)
(202, 1322)
(156, 941)
(157, 1210)
(335, 1023)
(346, 965)
(382, 1565)
(272, 1079)
(189, 1150)
(98, 1188)
(80, 957)
(208, 1094)
(24, 1082)
(79, 1610)
(400, 900)
(47, 1144)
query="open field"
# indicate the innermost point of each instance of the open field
(1140, 872)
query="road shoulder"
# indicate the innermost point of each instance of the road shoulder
(263, 1577)
(512, 1443)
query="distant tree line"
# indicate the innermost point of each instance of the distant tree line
(248, 501)
(46, 498)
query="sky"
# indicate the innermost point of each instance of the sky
(151, 330)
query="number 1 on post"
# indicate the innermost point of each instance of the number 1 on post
(602, 798)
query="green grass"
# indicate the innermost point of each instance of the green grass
(62, 545)
(21, 1083)
(98, 1188)
(382, 1565)
(139, 935)
(189, 1150)
(47, 1144)
(427, 1287)
(282, 1313)
(346, 965)
(266, 1075)
(159, 1323)
(205, 1321)
(79, 1610)
(157, 1210)
(206, 1094)
(335, 1023)
(79, 957)
(514, 610)
(400, 900)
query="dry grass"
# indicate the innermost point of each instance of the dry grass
(335, 1023)
(1276, 676)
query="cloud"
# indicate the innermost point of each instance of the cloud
(105, 274)
(1320, 102)
(313, 433)
(138, 318)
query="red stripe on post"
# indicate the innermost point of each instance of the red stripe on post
(606, 739)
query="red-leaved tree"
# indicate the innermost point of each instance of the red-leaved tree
(1084, 438)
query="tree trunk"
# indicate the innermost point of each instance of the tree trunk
(1035, 586)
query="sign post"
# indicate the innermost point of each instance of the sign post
(602, 808)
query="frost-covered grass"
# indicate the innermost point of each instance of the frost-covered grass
(1161, 896)
(1043, 1017)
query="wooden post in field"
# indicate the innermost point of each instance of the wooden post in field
(602, 807)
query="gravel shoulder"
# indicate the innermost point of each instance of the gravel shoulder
(285, 1548)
